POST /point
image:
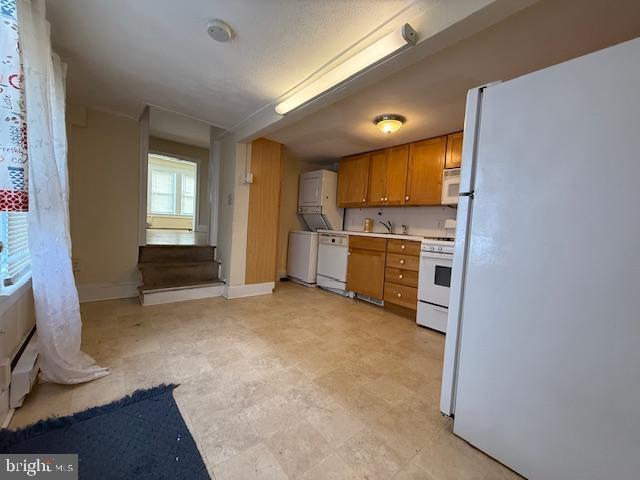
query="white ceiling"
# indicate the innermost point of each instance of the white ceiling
(123, 54)
(431, 93)
(178, 128)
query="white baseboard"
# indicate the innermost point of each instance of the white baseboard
(182, 294)
(106, 291)
(251, 290)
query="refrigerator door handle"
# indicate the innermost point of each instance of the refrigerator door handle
(463, 229)
(469, 140)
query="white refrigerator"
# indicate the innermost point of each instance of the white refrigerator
(542, 357)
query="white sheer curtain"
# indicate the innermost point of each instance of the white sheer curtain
(56, 298)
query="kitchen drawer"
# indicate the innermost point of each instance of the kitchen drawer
(403, 277)
(405, 262)
(406, 247)
(368, 243)
(401, 295)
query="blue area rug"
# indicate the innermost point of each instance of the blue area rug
(141, 436)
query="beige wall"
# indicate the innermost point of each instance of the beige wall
(233, 212)
(289, 219)
(103, 174)
(167, 147)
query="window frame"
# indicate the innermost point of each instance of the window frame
(178, 211)
(192, 195)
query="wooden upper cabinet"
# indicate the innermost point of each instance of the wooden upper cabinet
(397, 175)
(424, 175)
(378, 165)
(388, 176)
(454, 150)
(353, 180)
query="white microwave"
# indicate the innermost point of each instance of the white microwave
(450, 186)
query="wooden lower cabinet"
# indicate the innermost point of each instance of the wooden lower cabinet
(404, 247)
(407, 262)
(401, 273)
(366, 266)
(402, 277)
(384, 269)
(401, 295)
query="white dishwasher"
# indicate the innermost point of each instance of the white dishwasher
(333, 252)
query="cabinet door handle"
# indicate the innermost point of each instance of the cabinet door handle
(382, 199)
(400, 276)
(401, 262)
(364, 200)
(403, 247)
(399, 295)
(349, 253)
(406, 197)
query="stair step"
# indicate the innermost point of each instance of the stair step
(155, 274)
(175, 253)
(180, 293)
(170, 286)
(173, 264)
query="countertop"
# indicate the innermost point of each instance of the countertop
(376, 234)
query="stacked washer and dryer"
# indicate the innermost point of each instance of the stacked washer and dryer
(317, 205)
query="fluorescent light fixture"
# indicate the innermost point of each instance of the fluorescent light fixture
(370, 56)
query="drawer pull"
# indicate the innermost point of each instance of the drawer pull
(403, 247)
(401, 262)
(400, 276)
(399, 295)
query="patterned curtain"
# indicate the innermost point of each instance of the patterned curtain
(14, 194)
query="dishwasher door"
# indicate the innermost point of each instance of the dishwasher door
(332, 256)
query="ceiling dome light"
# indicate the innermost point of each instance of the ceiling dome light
(389, 123)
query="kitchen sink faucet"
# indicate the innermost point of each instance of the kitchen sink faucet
(387, 225)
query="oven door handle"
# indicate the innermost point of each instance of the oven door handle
(439, 256)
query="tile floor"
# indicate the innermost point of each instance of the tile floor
(302, 384)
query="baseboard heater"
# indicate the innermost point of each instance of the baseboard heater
(18, 376)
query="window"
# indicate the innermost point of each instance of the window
(163, 192)
(171, 189)
(188, 192)
(15, 261)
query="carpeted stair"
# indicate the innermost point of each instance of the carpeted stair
(176, 267)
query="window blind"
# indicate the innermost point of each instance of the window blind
(15, 258)
(163, 192)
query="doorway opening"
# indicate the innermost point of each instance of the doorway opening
(172, 201)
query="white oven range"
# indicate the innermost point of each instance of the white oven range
(436, 259)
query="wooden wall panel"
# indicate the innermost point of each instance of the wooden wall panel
(264, 210)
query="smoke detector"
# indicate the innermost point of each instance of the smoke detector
(219, 30)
